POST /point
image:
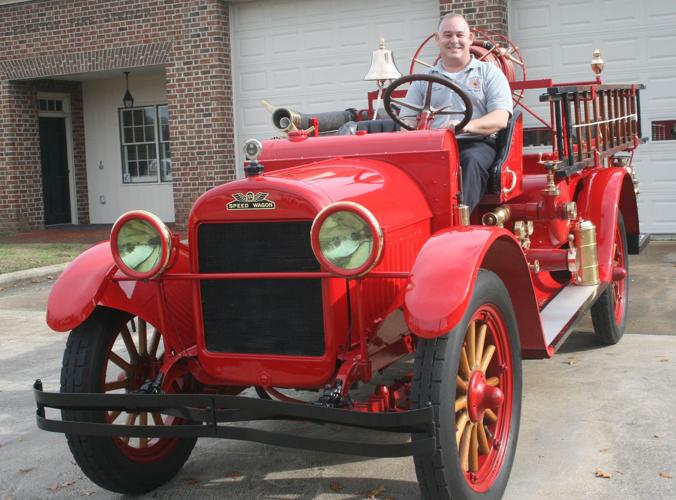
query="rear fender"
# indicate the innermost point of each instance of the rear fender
(443, 277)
(599, 200)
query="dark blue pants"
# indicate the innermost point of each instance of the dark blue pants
(476, 158)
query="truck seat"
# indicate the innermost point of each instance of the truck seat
(503, 145)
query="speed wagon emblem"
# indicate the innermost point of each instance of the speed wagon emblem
(251, 201)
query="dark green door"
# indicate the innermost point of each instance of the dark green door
(54, 156)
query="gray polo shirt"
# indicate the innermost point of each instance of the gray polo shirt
(485, 84)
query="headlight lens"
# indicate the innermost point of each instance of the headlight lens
(347, 238)
(141, 244)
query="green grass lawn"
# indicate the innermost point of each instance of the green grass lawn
(20, 256)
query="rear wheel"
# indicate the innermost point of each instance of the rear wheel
(104, 356)
(609, 312)
(472, 376)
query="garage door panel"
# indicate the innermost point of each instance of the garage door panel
(532, 18)
(253, 81)
(572, 53)
(251, 46)
(285, 78)
(620, 51)
(656, 170)
(659, 93)
(614, 12)
(284, 43)
(656, 213)
(574, 14)
(660, 11)
(637, 41)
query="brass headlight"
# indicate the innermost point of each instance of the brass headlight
(141, 244)
(347, 239)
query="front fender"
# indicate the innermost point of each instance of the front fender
(598, 201)
(89, 281)
(443, 276)
(79, 288)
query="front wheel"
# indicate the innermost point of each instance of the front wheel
(104, 356)
(472, 376)
(609, 312)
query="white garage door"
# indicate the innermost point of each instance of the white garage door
(637, 41)
(311, 55)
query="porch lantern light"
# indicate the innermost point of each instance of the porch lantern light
(127, 100)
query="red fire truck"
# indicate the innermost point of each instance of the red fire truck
(333, 259)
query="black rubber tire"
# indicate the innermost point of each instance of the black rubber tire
(435, 369)
(607, 330)
(99, 457)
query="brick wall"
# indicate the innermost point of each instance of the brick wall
(21, 206)
(483, 14)
(47, 39)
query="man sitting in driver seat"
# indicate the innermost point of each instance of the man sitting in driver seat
(491, 97)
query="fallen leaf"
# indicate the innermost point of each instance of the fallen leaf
(572, 362)
(25, 471)
(336, 487)
(604, 450)
(50, 277)
(656, 436)
(376, 491)
(665, 475)
(235, 474)
(35, 280)
(603, 474)
(57, 487)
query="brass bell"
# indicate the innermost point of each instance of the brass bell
(382, 65)
(597, 63)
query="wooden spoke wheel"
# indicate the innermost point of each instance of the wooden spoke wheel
(473, 375)
(134, 357)
(105, 355)
(609, 312)
(482, 415)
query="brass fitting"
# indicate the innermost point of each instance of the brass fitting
(585, 244)
(569, 210)
(463, 215)
(522, 230)
(497, 217)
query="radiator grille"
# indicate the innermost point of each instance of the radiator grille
(262, 316)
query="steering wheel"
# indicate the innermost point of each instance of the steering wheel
(426, 112)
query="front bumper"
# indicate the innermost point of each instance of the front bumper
(204, 412)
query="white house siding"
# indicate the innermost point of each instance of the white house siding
(101, 101)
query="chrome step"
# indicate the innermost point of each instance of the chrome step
(563, 311)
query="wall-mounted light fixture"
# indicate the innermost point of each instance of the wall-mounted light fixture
(127, 100)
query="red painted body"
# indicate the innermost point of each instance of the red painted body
(423, 282)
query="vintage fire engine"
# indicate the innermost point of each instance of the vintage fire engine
(334, 258)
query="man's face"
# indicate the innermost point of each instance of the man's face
(454, 40)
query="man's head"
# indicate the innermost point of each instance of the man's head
(454, 38)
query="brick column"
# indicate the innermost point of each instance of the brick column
(21, 205)
(199, 94)
(482, 14)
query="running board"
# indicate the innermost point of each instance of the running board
(563, 311)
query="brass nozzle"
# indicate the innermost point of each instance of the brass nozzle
(497, 217)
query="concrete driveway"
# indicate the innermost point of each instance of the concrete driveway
(589, 409)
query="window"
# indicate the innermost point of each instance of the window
(146, 155)
(664, 130)
(50, 104)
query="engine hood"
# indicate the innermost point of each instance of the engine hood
(299, 193)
